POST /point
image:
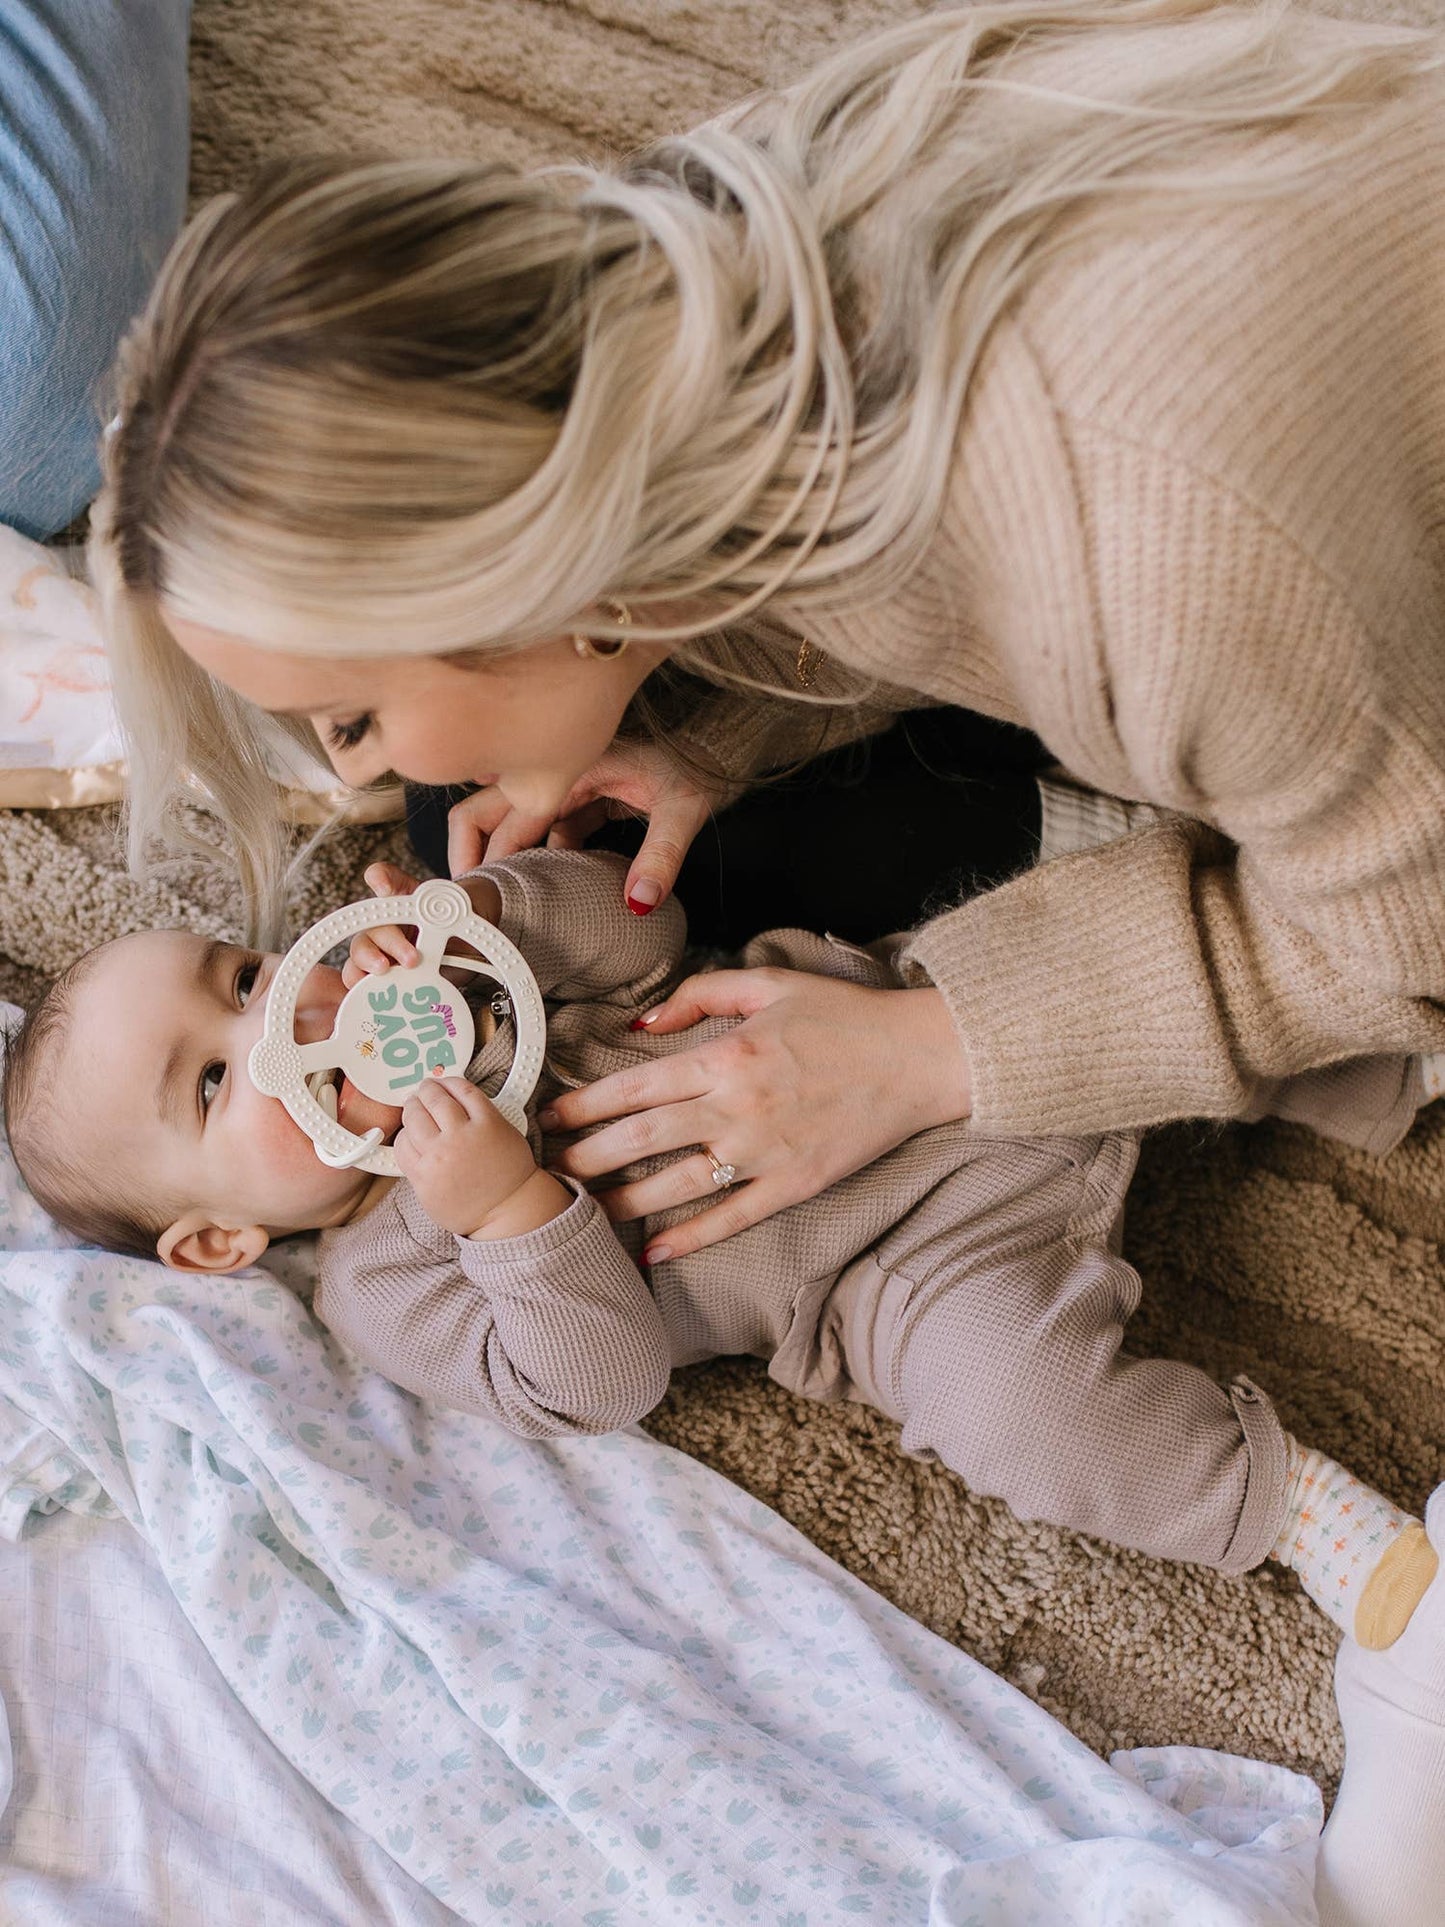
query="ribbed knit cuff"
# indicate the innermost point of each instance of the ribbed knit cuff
(1080, 994)
(1262, 1513)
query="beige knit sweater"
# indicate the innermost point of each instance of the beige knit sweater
(1196, 541)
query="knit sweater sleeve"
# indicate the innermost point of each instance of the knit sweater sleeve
(1163, 976)
(547, 1333)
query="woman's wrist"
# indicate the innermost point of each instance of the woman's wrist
(936, 1087)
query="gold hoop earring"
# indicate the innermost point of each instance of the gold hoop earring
(605, 648)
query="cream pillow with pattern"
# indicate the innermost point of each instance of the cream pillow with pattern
(59, 744)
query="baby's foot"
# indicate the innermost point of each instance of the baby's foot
(1382, 1858)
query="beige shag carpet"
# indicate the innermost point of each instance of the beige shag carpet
(1319, 1272)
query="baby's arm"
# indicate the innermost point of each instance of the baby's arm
(548, 1331)
(565, 912)
(474, 1174)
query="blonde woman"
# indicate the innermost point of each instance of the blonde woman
(1084, 366)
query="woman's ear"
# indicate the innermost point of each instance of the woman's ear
(193, 1243)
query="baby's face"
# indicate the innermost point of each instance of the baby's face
(153, 1078)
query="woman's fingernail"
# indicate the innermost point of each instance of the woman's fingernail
(656, 1254)
(645, 895)
(641, 1023)
(548, 1120)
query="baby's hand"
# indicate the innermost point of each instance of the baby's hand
(473, 1173)
(390, 943)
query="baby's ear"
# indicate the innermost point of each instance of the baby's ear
(193, 1243)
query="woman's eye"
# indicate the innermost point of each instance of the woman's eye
(246, 983)
(348, 735)
(212, 1078)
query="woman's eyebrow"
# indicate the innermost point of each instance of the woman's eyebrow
(171, 1106)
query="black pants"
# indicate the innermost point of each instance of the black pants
(863, 841)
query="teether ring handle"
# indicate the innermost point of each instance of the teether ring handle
(320, 1056)
(396, 1027)
(364, 1148)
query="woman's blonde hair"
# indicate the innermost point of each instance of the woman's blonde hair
(427, 406)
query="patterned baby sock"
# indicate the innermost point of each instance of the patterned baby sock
(1361, 1558)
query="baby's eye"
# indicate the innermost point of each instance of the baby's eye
(348, 735)
(212, 1078)
(246, 982)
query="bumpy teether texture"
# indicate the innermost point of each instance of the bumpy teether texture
(396, 1028)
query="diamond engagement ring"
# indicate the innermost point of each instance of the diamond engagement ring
(722, 1174)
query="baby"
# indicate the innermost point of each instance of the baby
(971, 1289)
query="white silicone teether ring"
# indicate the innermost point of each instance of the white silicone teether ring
(414, 1034)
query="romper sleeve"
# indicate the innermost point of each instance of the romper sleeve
(564, 910)
(551, 1332)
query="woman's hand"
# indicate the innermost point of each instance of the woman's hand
(819, 1079)
(632, 779)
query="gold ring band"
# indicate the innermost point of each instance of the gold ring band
(722, 1174)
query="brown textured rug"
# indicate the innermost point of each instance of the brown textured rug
(1317, 1271)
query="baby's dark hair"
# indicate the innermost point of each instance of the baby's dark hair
(62, 1183)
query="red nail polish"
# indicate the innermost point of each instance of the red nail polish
(638, 1023)
(639, 908)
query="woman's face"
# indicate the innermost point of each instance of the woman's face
(531, 723)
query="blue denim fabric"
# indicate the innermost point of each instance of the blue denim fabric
(94, 138)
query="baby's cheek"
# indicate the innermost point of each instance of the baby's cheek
(277, 1134)
(285, 1149)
